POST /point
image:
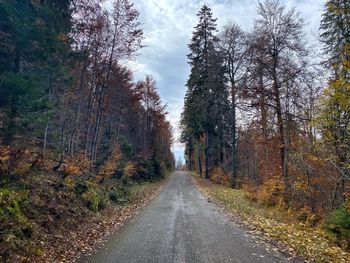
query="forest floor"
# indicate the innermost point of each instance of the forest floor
(44, 223)
(312, 243)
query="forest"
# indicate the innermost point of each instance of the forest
(85, 143)
(76, 128)
(267, 112)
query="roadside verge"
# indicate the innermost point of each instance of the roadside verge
(295, 239)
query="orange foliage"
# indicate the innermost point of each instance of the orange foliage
(77, 165)
(270, 193)
(129, 169)
(109, 168)
(218, 176)
(18, 160)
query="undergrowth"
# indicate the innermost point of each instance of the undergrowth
(34, 208)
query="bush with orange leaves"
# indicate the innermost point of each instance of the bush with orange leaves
(129, 169)
(109, 168)
(77, 164)
(219, 176)
(271, 193)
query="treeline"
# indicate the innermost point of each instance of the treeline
(77, 132)
(262, 111)
(68, 102)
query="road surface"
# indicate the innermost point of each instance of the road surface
(180, 225)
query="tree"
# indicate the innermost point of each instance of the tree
(285, 51)
(334, 118)
(335, 28)
(205, 97)
(233, 47)
(32, 35)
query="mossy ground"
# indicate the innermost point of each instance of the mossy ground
(36, 211)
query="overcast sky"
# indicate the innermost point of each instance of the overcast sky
(168, 26)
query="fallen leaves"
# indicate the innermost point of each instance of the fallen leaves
(95, 231)
(311, 243)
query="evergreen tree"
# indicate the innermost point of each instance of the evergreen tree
(32, 35)
(334, 118)
(335, 27)
(206, 94)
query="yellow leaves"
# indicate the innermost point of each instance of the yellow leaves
(300, 186)
(71, 169)
(313, 158)
(129, 169)
(271, 193)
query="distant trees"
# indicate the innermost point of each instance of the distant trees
(278, 130)
(66, 93)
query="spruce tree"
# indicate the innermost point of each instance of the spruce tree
(335, 28)
(206, 94)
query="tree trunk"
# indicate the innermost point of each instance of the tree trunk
(199, 157)
(234, 139)
(283, 147)
(207, 155)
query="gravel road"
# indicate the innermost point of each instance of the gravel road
(181, 225)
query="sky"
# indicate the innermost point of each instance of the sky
(168, 26)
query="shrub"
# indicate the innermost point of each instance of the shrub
(81, 187)
(92, 199)
(119, 195)
(109, 168)
(218, 176)
(129, 169)
(10, 206)
(15, 223)
(271, 193)
(77, 165)
(338, 223)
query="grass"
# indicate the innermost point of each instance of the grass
(312, 243)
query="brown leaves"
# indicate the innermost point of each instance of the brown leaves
(77, 164)
(68, 244)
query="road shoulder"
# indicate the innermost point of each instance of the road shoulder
(296, 241)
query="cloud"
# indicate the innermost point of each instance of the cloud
(168, 26)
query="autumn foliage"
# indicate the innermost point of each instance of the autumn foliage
(77, 131)
(261, 114)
